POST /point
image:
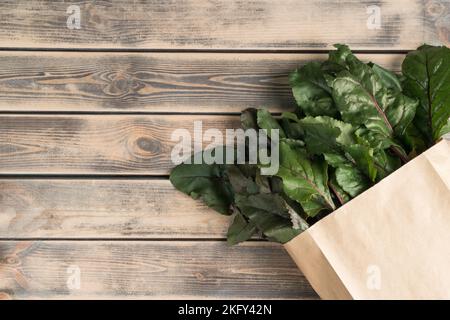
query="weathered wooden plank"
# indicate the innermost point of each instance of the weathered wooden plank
(152, 82)
(203, 24)
(95, 144)
(146, 269)
(105, 208)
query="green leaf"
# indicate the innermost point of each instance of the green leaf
(240, 180)
(374, 139)
(311, 91)
(368, 96)
(351, 181)
(337, 190)
(270, 215)
(262, 209)
(363, 99)
(385, 163)
(266, 121)
(349, 176)
(414, 140)
(363, 159)
(335, 140)
(427, 78)
(445, 129)
(240, 230)
(207, 182)
(389, 79)
(303, 180)
(339, 56)
(291, 126)
(325, 134)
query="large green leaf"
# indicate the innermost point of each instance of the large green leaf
(304, 180)
(207, 182)
(363, 99)
(311, 91)
(427, 78)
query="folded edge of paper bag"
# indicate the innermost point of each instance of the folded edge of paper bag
(401, 225)
(316, 268)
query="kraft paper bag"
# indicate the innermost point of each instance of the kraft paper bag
(390, 242)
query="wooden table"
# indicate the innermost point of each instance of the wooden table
(85, 125)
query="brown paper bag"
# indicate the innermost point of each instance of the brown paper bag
(390, 242)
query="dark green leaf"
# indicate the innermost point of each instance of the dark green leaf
(266, 121)
(270, 214)
(339, 56)
(337, 190)
(363, 158)
(240, 182)
(351, 181)
(335, 140)
(414, 140)
(291, 126)
(311, 91)
(349, 176)
(427, 78)
(207, 182)
(389, 79)
(303, 180)
(385, 163)
(240, 230)
(325, 134)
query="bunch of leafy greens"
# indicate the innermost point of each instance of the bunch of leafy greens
(355, 124)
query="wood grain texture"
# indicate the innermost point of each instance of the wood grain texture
(106, 208)
(96, 144)
(235, 24)
(140, 269)
(153, 82)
